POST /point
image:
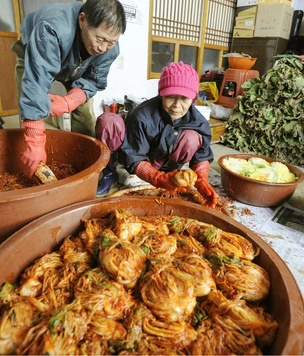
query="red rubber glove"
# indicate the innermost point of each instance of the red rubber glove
(35, 138)
(68, 103)
(150, 174)
(204, 188)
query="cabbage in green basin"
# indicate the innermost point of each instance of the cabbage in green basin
(259, 169)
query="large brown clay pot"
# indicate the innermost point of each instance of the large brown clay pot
(41, 236)
(256, 192)
(19, 207)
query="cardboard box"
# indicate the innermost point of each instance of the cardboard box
(241, 3)
(252, 11)
(273, 21)
(248, 21)
(242, 32)
(272, 2)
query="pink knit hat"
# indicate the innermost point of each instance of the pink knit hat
(178, 79)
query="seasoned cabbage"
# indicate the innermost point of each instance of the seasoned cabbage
(215, 339)
(14, 325)
(239, 277)
(124, 262)
(236, 314)
(168, 292)
(130, 285)
(200, 271)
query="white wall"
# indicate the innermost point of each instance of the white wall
(128, 74)
(7, 20)
(299, 5)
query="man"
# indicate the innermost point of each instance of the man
(75, 44)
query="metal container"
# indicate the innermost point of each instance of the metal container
(42, 236)
(19, 207)
(255, 192)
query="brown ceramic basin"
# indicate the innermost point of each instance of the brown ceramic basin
(19, 207)
(255, 192)
(41, 236)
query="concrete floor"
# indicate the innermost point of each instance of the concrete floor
(297, 200)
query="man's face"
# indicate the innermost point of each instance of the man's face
(176, 105)
(97, 40)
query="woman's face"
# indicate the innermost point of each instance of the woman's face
(97, 40)
(176, 105)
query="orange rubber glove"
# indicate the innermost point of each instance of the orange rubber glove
(150, 174)
(68, 103)
(204, 188)
(35, 138)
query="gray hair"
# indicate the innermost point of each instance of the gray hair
(109, 12)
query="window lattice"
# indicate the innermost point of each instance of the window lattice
(220, 20)
(182, 20)
(178, 19)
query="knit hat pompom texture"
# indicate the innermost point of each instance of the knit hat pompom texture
(178, 79)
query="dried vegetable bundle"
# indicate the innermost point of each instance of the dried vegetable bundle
(269, 118)
(129, 285)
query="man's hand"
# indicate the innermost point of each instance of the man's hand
(59, 105)
(68, 103)
(35, 138)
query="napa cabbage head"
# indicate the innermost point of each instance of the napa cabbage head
(259, 162)
(260, 169)
(265, 174)
(239, 166)
(284, 174)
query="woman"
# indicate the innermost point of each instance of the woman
(164, 133)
